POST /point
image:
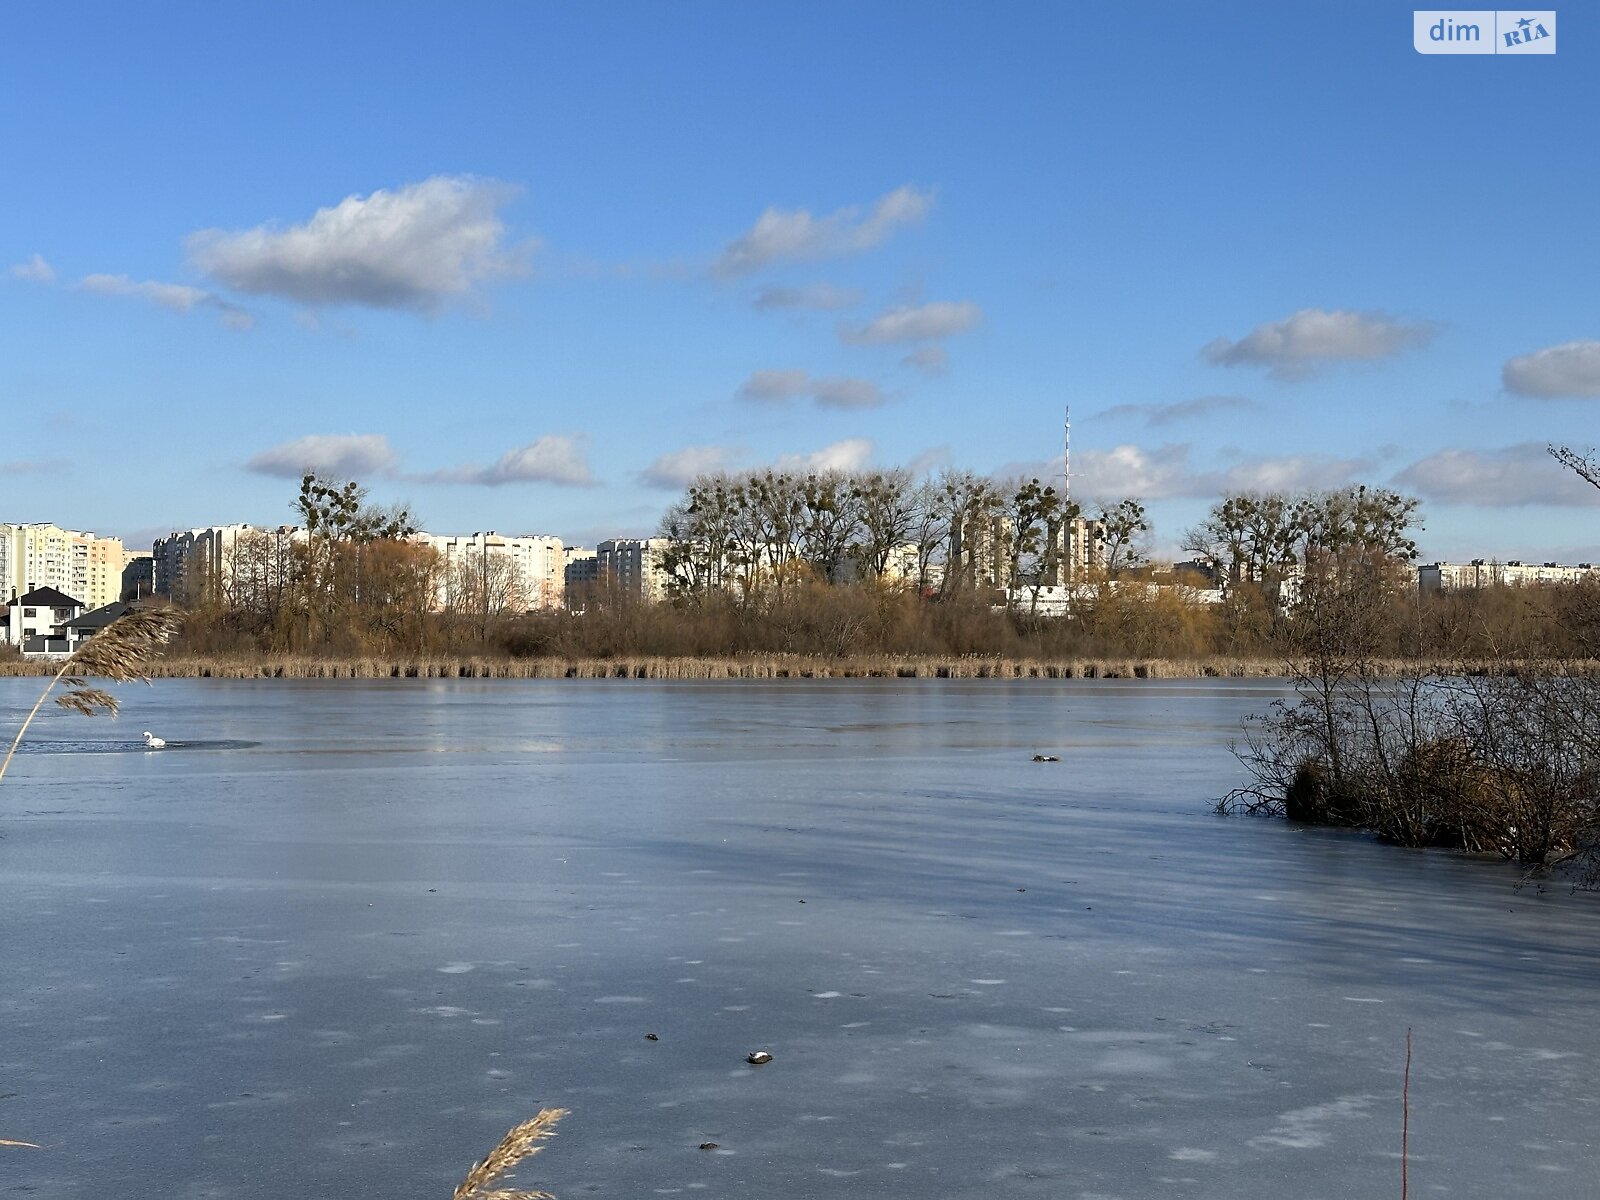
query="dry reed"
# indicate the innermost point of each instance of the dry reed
(123, 652)
(746, 666)
(519, 1144)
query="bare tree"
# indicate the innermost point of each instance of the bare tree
(1585, 466)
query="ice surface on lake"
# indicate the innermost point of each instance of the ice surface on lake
(355, 931)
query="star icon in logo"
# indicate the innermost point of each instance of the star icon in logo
(1525, 22)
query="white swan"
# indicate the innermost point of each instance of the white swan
(152, 742)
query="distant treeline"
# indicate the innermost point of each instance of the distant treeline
(772, 563)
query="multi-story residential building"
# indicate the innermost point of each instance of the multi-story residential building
(500, 572)
(981, 552)
(1082, 548)
(138, 576)
(1481, 573)
(633, 565)
(195, 565)
(580, 572)
(79, 564)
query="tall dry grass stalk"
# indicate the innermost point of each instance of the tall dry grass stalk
(121, 652)
(520, 1144)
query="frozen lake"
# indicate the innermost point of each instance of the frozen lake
(340, 936)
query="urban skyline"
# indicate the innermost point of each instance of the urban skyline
(624, 247)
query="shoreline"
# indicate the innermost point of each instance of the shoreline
(754, 666)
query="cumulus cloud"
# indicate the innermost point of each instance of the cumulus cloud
(554, 458)
(348, 455)
(821, 297)
(1297, 346)
(851, 454)
(846, 392)
(35, 270)
(916, 323)
(779, 387)
(1289, 473)
(1167, 472)
(1512, 476)
(1180, 410)
(768, 386)
(1569, 370)
(414, 248)
(174, 297)
(1131, 470)
(930, 360)
(795, 235)
(679, 468)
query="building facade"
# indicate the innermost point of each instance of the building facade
(196, 565)
(78, 564)
(633, 566)
(500, 573)
(1482, 573)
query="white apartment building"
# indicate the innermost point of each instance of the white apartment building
(78, 564)
(197, 563)
(1480, 573)
(537, 567)
(634, 566)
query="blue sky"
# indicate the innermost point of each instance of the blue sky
(527, 266)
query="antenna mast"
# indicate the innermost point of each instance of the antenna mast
(1066, 461)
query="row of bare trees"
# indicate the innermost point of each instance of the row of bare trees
(759, 533)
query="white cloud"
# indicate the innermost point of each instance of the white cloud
(414, 248)
(1295, 347)
(1130, 470)
(767, 386)
(35, 270)
(930, 459)
(795, 235)
(930, 360)
(680, 468)
(822, 297)
(917, 323)
(174, 297)
(1179, 410)
(1288, 473)
(778, 387)
(847, 392)
(852, 454)
(1166, 472)
(554, 458)
(346, 455)
(1511, 476)
(1569, 370)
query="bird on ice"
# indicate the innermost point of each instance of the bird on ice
(152, 742)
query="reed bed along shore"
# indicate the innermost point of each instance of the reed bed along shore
(755, 666)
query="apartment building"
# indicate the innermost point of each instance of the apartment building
(1481, 573)
(506, 573)
(78, 564)
(633, 565)
(198, 564)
